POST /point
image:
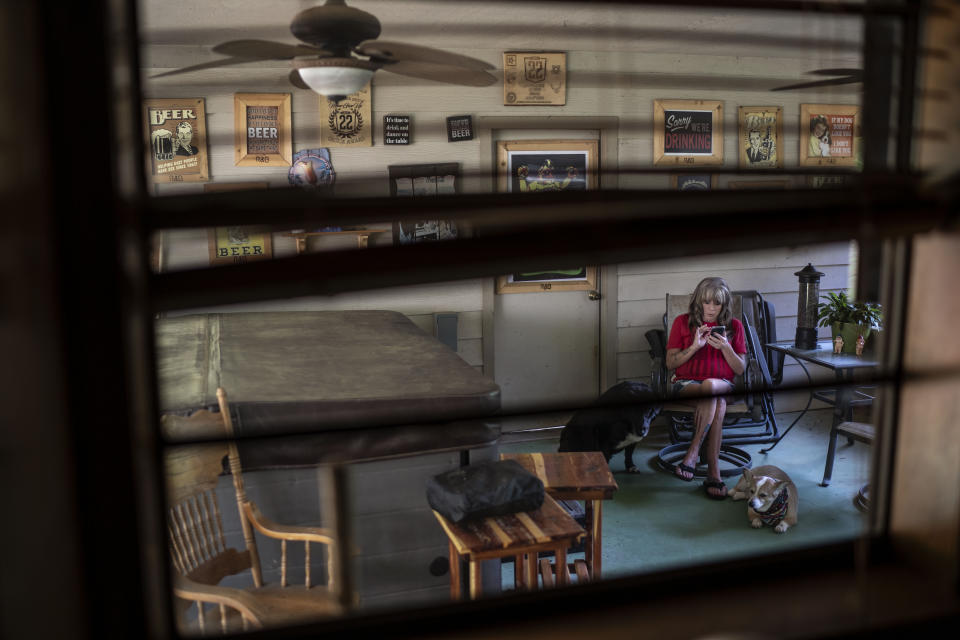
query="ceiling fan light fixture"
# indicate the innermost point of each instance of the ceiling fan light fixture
(335, 76)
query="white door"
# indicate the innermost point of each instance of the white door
(547, 343)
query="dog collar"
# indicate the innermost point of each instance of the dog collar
(777, 511)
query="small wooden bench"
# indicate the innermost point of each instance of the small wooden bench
(582, 476)
(519, 535)
(861, 431)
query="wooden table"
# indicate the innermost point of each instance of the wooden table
(575, 476)
(521, 535)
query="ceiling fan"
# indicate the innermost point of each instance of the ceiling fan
(334, 35)
(844, 76)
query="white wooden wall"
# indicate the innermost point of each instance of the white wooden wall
(619, 60)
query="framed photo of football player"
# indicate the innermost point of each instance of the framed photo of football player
(541, 166)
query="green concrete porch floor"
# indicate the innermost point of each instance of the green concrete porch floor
(656, 521)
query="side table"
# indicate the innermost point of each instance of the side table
(582, 476)
(521, 535)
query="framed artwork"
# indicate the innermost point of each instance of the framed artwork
(687, 132)
(261, 130)
(348, 123)
(424, 181)
(693, 181)
(236, 245)
(177, 131)
(759, 137)
(534, 78)
(829, 135)
(537, 166)
(828, 182)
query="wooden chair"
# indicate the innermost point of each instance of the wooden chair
(201, 558)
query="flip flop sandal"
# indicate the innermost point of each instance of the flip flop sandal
(715, 484)
(683, 467)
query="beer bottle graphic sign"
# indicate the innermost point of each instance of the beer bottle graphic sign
(177, 134)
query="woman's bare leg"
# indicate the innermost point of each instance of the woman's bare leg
(715, 436)
(703, 412)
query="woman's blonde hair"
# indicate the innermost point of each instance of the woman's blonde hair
(710, 289)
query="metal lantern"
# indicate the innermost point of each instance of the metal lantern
(807, 301)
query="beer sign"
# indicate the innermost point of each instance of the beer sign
(534, 78)
(177, 132)
(687, 132)
(760, 133)
(261, 130)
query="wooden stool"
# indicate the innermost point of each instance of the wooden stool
(521, 535)
(575, 476)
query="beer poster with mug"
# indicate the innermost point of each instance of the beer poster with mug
(261, 130)
(177, 131)
(347, 123)
(760, 133)
(830, 135)
(687, 132)
(543, 166)
(236, 245)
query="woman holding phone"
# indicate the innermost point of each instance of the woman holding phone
(705, 351)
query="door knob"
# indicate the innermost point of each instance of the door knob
(593, 295)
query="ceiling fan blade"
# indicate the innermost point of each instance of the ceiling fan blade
(223, 62)
(266, 50)
(441, 73)
(387, 51)
(297, 81)
(820, 83)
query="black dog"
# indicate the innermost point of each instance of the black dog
(618, 420)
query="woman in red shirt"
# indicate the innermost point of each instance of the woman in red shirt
(704, 363)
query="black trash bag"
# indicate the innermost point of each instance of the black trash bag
(484, 490)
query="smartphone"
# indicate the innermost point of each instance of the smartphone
(718, 329)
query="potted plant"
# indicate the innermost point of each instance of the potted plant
(849, 319)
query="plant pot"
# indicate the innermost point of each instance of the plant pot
(849, 332)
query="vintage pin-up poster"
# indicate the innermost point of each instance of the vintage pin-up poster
(829, 135)
(177, 132)
(347, 123)
(759, 136)
(687, 132)
(534, 78)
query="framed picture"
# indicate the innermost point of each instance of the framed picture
(829, 135)
(534, 78)
(828, 182)
(693, 181)
(261, 130)
(177, 131)
(538, 166)
(424, 181)
(348, 123)
(759, 137)
(236, 245)
(687, 132)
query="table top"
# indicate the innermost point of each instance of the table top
(570, 476)
(824, 355)
(499, 536)
(316, 370)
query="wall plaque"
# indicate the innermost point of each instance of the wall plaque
(687, 132)
(760, 133)
(534, 78)
(396, 129)
(236, 245)
(177, 131)
(347, 123)
(261, 130)
(830, 135)
(459, 128)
